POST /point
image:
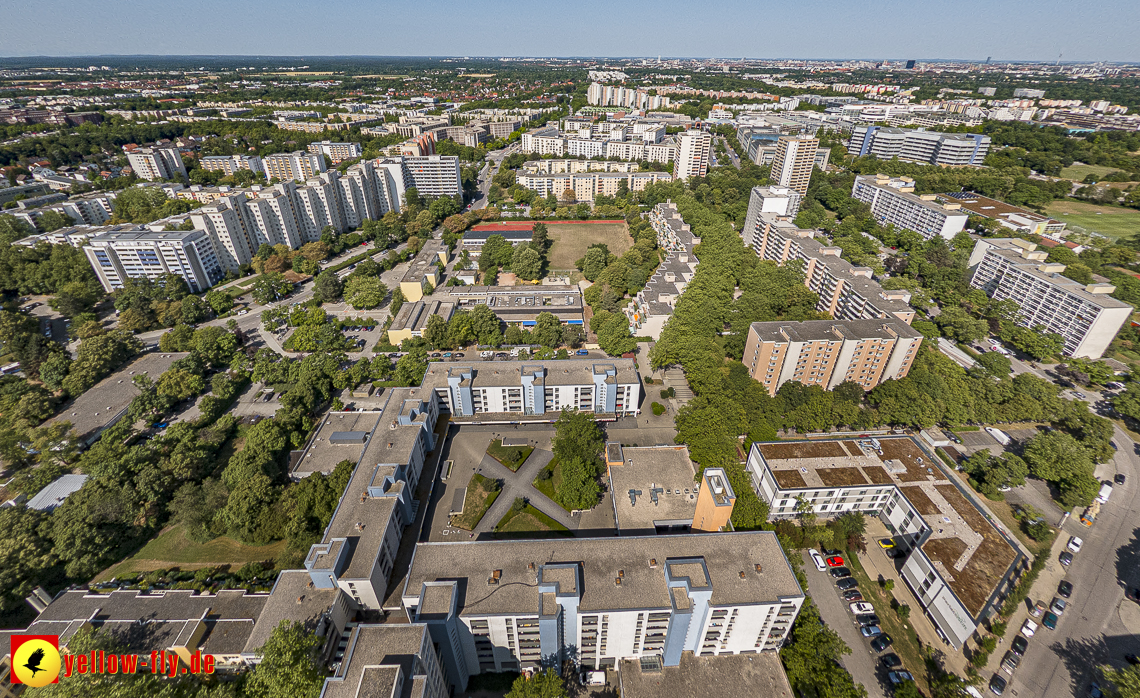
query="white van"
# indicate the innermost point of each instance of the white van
(1105, 493)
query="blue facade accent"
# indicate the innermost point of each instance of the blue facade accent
(868, 138)
(461, 400)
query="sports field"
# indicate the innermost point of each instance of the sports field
(1110, 221)
(571, 240)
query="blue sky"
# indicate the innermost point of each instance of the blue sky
(967, 29)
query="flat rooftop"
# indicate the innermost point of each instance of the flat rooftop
(509, 373)
(833, 330)
(293, 598)
(601, 560)
(969, 552)
(427, 258)
(415, 316)
(376, 656)
(95, 409)
(664, 489)
(322, 455)
(723, 676)
(992, 208)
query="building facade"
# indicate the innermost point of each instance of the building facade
(153, 164)
(694, 149)
(930, 147)
(117, 256)
(229, 164)
(795, 158)
(893, 202)
(295, 166)
(830, 352)
(1085, 315)
(336, 152)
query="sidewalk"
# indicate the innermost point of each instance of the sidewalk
(877, 564)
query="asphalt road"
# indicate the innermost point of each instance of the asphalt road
(1062, 663)
(861, 663)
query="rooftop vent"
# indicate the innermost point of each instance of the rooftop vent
(759, 567)
(617, 581)
(653, 562)
(742, 574)
(301, 598)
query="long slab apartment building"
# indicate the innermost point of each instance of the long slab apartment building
(653, 305)
(930, 147)
(845, 291)
(893, 202)
(957, 564)
(1085, 315)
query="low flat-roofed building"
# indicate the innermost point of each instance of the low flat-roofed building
(506, 605)
(424, 270)
(517, 305)
(1014, 217)
(958, 565)
(103, 405)
(324, 452)
(412, 319)
(475, 238)
(322, 612)
(182, 621)
(654, 490)
(56, 492)
(487, 392)
(706, 677)
(392, 661)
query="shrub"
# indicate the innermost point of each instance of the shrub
(903, 610)
(658, 409)
(999, 628)
(668, 393)
(648, 380)
(888, 585)
(545, 474)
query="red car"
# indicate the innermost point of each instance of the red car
(835, 561)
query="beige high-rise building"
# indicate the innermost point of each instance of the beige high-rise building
(795, 156)
(296, 166)
(692, 155)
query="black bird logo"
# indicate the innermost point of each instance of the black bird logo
(34, 660)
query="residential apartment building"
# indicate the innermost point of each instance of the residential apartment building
(586, 186)
(794, 160)
(226, 222)
(845, 291)
(609, 389)
(336, 152)
(600, 600)
(1028, 93)
(958, 566)
(434, 175)
(1013, 217)
(673, 233)
(117, 256)
(930, 147)
(893, 202)
(777, 201)
(576, 166)
(153, 164)
(295, 166)
(694, 149)
(1087, 316)
(229, 164)
(829, 352)
(609, 96)
(654, 304)
(544, 142)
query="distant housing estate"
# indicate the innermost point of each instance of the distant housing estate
(919, 146)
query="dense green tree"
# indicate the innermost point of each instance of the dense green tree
(328, 286)
(547, 330)
(547, 684)
(365, 293)
(270, 287)
(289, 664)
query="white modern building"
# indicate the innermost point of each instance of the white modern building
(694, 150)
(229, 164)
(776, 201)
(153, 164)
(295, 166)
(919, 146)
(433, 175)
(957, 564)
(893, 202)
(117, 256)
(587, 185)
(336, 152)
(1086, 315)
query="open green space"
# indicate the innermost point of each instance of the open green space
(511, 456)
(172, 548)
(1110, 221)
(572, 240)
(481, 494)
(1077, 173)
(524, 521)
(549, 485)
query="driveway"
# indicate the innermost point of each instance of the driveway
(834, 611)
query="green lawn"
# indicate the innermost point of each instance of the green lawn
(1077, 173)
(1111, 221)
(570, 240)
(550, 485)
(512, 457)
(529, 522)
(172, 548)
(481, 494)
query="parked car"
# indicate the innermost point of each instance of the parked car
(1019, 645)
(881, 642)
(1065, 589)
(447, 354)
(886, 543)
(436, 355)
(894, 553)
(846, 584)
(871, 630)
(830, 553)
(817, 559)
(840, 572)
(1075, 544)
(1066, 558)
(890, 661)
(1119, 479)
(1038, 609)
(835, 561)
(853, 595)
(1010, 661)
(459, 355)
(1058, 606)
(862, 608)
(898, 677)
(997, 685)
(1050, 620)
(867, 619)
(582, 352)
(1028, 628)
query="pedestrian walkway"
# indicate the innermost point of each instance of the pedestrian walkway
(516, 485)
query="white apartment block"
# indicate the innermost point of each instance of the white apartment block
(609, 96)
(597, 601)
(587, 185)
(434, 175)
(626, 150)
(957, 565)
(777, 201)
(273, 216)
(336, 152)
(893, 202)
(544, 143)
(660, 152)
(153, 164)
(319, 206)
(117, 256)
(919, 146)
(608, 389)
(1087, 316)
(693, 152)
(226, 222)
(229, 164)
(575, 166)
(296, 166)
